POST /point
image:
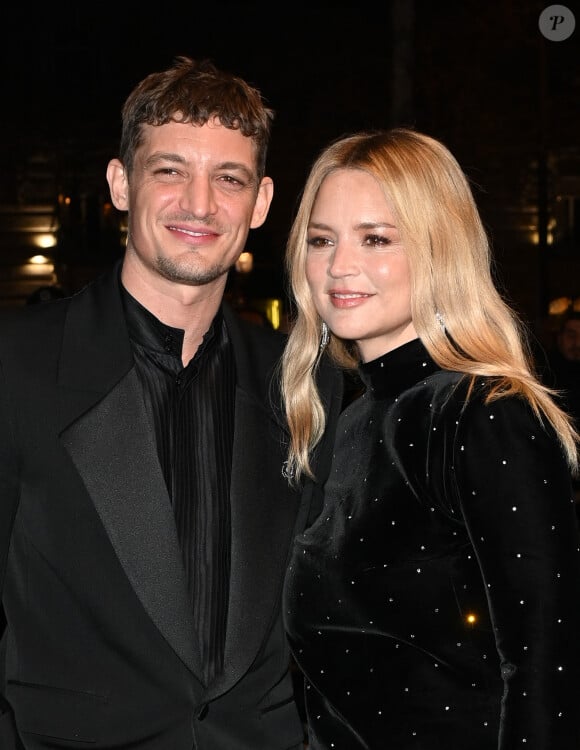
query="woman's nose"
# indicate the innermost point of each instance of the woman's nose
(342, 261)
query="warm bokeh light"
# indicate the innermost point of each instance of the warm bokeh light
(245, 262)
(559, 305)
(45, 241)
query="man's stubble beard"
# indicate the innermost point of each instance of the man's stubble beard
(182, 273)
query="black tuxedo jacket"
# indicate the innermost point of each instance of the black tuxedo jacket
(98, 649)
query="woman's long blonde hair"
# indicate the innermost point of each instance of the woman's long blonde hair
(450, 264)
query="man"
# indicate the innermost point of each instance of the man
(562, 372)
(145, 521)
(564, 363)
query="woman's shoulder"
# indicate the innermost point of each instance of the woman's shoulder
(456, 400)
(439, 390)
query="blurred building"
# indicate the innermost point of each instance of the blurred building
(58, 226)
(480, 77)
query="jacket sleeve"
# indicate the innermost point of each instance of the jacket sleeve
(516, 497)
(9, 495)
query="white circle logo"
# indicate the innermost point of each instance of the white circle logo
(557, 23)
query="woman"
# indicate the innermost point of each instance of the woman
(435, 602)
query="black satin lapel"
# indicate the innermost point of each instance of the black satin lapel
(113, 450)
(262, 521)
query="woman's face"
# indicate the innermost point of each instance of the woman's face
(357, 268)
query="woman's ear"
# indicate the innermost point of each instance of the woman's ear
(118, 185)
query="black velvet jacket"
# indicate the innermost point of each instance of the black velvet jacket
(435, 602)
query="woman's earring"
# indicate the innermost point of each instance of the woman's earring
(441, 321)
(324, 336)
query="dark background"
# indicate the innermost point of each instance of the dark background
(477, 75)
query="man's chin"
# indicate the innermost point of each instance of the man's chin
(181, 274)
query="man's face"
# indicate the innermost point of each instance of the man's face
(191, 199)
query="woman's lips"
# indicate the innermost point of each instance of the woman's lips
(348, 299)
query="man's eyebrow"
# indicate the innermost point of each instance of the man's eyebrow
(169, 156)
(163, 156)
(236, 166)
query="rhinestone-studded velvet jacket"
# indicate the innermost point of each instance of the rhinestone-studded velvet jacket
(435, 602)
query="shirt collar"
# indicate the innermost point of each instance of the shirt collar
(146, 330)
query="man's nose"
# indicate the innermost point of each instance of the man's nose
(197, 198)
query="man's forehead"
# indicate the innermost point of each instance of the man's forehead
(210, 133)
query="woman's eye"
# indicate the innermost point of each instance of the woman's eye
(377, 240)
(318, 242)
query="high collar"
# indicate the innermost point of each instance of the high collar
(397, 370)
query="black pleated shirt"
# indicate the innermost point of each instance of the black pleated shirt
(192, 411)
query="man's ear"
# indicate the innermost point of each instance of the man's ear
(265, 193)
(118, 185)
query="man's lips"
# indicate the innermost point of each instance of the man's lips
(189, 231)
(194, 233)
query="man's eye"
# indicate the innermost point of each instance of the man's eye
(165, 171)
(230, 180)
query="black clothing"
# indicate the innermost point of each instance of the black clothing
(435, 602)
(564, 375)
(192, 410)
(100, 648)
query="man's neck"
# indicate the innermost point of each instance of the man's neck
(190, 308)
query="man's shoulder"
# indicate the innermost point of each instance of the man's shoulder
(41, 322)
(39, 316)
